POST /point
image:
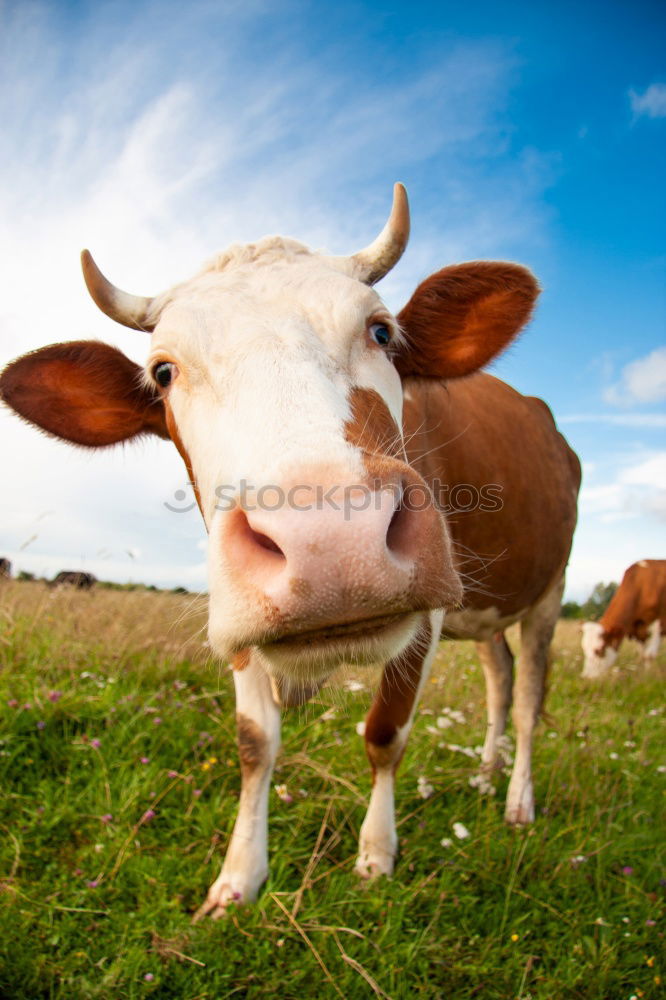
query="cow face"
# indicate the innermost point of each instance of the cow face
(277, 373)
(599, 654)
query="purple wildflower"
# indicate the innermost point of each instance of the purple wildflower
(41, 724)
(148, 815)
(145, 760)
(55, 696)
(627, 870)
(172, 774)
(157, 721)
(92, 883)
(196, 792)
(95, 743)
(106, 818)
(12, 703)
(149, 977)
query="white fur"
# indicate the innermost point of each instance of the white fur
(597, 660)
(651, 644)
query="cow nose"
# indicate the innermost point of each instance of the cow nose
(349, 551)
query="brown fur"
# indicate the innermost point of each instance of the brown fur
(479, 431)
(639, 601)
(251, 745)
(85, 392)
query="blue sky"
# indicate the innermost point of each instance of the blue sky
(157, 133)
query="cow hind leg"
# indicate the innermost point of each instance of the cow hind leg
(245, 867)
(497, 662)
(387, 728)
(536, 632)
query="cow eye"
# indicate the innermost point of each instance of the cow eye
(163, 373)
(380, 333)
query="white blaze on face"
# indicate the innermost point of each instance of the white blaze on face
(597, 659)
(268, 350)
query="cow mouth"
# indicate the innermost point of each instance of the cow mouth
(366, 628)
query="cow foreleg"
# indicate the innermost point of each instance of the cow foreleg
(536, 632)
(387, 728)
(245, 867)
(497, 662)
(651, 644)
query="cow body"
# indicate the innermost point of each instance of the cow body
(5, 569)
(637, 611)
(73, 578)
(323, 436)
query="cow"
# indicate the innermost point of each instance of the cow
(325, 439)
(73, 578)
(637, 611)
(5, 569)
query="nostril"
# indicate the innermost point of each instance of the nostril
(399, 533)
(264, 542)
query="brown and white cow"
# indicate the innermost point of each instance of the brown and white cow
(636, 611)
(280, 376)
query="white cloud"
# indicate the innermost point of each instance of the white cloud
(651, 103)
(641, 381)
(650, 420)
(636, 490)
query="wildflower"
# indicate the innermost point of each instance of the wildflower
(196, 792)
(212, 760)
(95, 744)
(148, 976)
(650, 923)
(92, 883)
(54, 696)
(483, 783)
(627, 870)
(515, 937)
(354, 686)
(205, 766)
(172, 774)
(461, 831)
(282, 793)
(12, 703)
(157, 721)
(41, 724)
(650, 961)
(106, 818)
(443, 722)
(446, 842)
(145, 760)
(425, 789)
(360, 728)
(578, 859)
(148, 815)
(614, 756)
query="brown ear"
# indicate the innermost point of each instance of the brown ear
(461, 317)
(85, 392)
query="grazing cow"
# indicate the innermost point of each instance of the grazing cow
(73, 578)
(280, 375)
(5, 569)
(636, 611)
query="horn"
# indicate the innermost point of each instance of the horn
(130, 310)
(371, 264)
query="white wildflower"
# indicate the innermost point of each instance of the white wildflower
(425, 789)
(461, 831)
(446, 842)
(483, 783)
(354, 686)
(443, 722)
(360, 728)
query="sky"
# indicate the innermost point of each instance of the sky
(157, 134)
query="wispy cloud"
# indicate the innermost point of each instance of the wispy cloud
(641, 381)
(651, 103)
(648, 420)
(181, 136)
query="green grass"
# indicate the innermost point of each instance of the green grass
(90, 906)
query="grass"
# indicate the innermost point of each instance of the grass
(119, 785)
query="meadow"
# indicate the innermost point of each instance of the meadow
(119, 784)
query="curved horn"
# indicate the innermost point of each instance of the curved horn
(371, 264)
(130, 310)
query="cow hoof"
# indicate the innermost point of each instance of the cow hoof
(221, 895)
(520, 815)
(372, 865)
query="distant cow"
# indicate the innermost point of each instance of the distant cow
(73, 578)
(326, 452)
(5, 569)
(637, 611)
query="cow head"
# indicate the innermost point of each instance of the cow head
(599, 649)
(276, 372)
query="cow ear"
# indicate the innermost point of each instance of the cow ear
(461, 317)
(85, 392)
